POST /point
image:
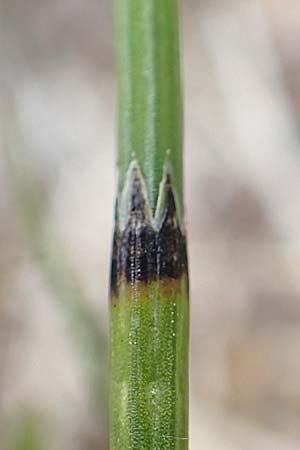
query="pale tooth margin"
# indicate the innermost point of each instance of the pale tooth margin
(160, 211)
(125, 196)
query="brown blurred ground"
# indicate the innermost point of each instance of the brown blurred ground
(242, 94)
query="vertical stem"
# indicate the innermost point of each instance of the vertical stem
(149, 90)
(149, 321)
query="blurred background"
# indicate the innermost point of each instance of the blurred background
(242, 165)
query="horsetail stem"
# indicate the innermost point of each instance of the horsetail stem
(149, 320)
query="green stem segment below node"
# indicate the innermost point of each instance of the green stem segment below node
(149, 322)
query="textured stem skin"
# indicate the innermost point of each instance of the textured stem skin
(149, 90)
(149, 325)
(149, 319)
(149, 339)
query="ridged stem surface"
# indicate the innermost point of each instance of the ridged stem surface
(149, 319)
(149, 90)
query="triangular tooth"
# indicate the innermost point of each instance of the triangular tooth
(137, 198)
(171, 243)
(167, 204)
(134, 200)
(137, 249)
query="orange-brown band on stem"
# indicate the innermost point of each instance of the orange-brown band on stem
(166, 287)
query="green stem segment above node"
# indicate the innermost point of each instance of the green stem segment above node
(149, 91)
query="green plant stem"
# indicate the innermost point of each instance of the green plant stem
(149, 320)
(149, 90)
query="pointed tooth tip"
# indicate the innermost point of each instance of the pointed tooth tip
(136, 176)
(134, 173)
